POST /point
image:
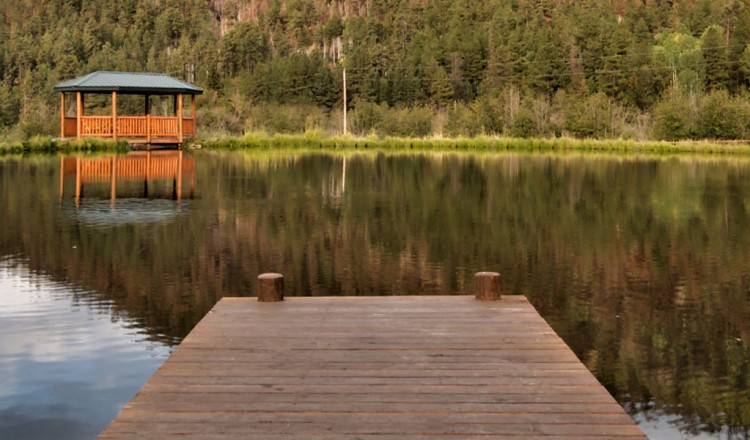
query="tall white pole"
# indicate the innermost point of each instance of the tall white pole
(344, 101)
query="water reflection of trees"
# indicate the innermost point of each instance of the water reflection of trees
(641, 265)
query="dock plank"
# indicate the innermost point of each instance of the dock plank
(412, 368)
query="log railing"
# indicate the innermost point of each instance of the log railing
(147, 127)
(100, 126)
(131, 126)
(163, 126)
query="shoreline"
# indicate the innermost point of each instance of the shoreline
(314, 141)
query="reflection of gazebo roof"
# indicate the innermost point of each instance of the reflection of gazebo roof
(127, 82)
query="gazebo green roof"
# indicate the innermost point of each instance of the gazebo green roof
(128, 82)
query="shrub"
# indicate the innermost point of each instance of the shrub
(523, 125)
(722, 117)
(273, 118)
(408, 122)
(462, 120)
(591, 118)
(366, 117)
(672, 118)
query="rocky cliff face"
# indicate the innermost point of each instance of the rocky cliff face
(229, 12)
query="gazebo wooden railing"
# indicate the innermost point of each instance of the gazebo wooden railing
(147, 127)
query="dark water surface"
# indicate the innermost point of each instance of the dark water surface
(642, 265)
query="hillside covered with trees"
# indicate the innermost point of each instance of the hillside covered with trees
(638, 69)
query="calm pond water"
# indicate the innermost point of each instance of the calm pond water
(642, 265)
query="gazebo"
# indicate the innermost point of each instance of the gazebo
(145, 129)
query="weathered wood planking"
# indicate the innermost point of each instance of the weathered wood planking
(380, 368)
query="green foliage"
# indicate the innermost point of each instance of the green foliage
(715, 53)
(546, 71)
(462, 121)
(745, 65)
(679, 56)
(315, 140)
(242, 48)
(716, 115)
(723, 117)
(409, 122)
(591, 118)
(420, 62)
(674, 117)
(366, 117)
(523, 126)
(10, 105)
(273, 118)
(45, 144)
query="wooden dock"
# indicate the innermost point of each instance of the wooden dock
(385, 368)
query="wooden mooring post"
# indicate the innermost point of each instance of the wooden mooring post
(270, 287)
(487, 286)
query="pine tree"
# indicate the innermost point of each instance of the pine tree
(714, 50)
(613, 77)
(546, 69)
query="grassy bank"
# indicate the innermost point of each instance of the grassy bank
(316, 141)
(46, 145)
(478, 144)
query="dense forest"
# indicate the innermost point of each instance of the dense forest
(635, 69)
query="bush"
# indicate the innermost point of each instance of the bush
(523, 126)
(217, 122)
(462, 121)
(287, 119)
(366, 117)
(591, 118)
(722, 117)
(407, 122)
(32, 128)
(672, 118)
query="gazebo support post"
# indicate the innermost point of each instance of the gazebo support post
(192, 112)
(79, 113)
(147, 111)
(179, 117)
(114, 115)
(62, 115)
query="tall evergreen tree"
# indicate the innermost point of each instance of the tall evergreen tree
(716, 58)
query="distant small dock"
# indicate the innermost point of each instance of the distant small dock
(386, 368)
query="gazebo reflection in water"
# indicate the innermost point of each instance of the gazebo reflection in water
(153, 169)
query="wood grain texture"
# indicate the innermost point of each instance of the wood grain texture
(383, 368)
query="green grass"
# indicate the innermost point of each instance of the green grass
(46, 145)
(316, 141)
